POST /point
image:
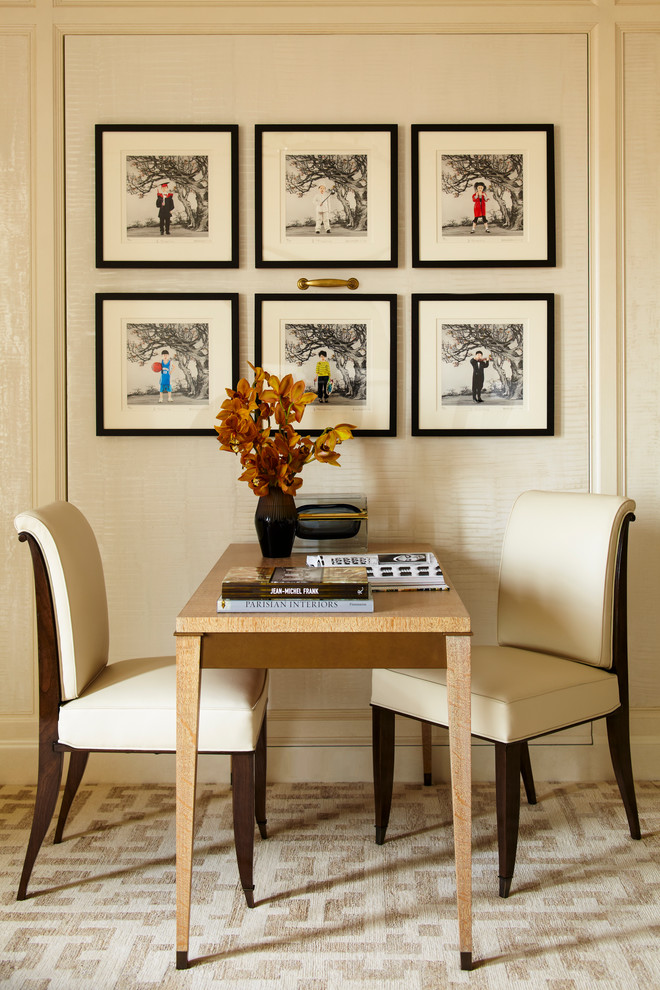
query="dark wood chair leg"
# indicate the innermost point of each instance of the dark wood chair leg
(526, 772)
(243, 782)
(507, 794)
(618, 736)
(260, 762)
(382, 720)
(48, 786)
(77, 763)
(427, 753)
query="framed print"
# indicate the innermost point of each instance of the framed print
(483, 195)
(342, 347)
(166, 196)
(326, 195)
(483, 365)
(163, 361)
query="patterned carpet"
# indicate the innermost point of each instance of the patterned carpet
(333, 909)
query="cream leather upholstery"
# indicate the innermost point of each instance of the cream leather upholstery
(130, 704)
(87, 704)
(554, 608)
(561, 657)
(76, 576)
(516, 694)
(552, 598)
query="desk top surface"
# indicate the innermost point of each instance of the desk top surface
(394, 611)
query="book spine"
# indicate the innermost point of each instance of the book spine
(342, 560)
(410, 587)
(294, 605)
(368, 559)
(313, 592)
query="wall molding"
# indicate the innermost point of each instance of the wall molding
(302, 748)
(331, 745)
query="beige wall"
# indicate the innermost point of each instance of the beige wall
(16, 665)
(164, 507)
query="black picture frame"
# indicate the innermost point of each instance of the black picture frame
(199, 162)
(132, 330)
(516, 164)
(360, 160)
(447, 398)
(290, 330)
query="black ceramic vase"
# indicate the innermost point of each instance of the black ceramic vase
(275, 522)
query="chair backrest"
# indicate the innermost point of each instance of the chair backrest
(557, 574)
(75, 571)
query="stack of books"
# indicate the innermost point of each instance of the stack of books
(296, 589)
(390, 571)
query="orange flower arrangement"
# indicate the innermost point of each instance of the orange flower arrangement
(273, 458)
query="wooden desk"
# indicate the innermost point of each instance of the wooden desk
(406, 629)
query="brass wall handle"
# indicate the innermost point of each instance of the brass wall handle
(328, 283)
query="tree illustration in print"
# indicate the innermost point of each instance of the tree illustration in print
(502, 179)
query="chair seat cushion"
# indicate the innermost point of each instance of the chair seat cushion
(516, 694)
(131, 705)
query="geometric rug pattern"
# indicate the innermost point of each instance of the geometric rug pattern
(333, 909)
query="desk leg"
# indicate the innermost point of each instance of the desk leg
(458, 697)
(188, 655)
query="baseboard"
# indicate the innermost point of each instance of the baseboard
(333, 745)
(336, 745)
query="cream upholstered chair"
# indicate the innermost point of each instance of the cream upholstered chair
(561, 657)
(87, 704)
